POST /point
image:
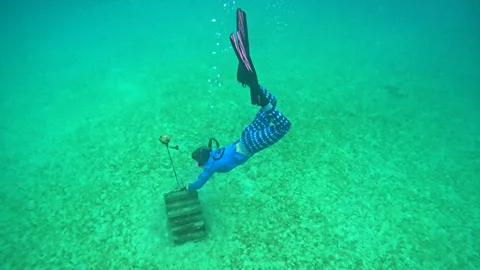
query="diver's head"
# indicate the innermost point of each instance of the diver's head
(201, 155)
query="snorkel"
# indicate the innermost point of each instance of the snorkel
(210, 143)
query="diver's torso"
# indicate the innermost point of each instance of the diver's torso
(226, 158)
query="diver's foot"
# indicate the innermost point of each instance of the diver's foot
(258, 96)
(271, 98)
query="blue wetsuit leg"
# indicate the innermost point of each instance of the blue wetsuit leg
(261, 120)
(260, 134)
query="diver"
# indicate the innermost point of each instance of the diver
(268, 127)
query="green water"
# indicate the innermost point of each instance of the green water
(380, 169)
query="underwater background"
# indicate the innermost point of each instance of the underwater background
(380, 170)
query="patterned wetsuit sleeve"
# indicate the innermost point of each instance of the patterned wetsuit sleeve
(202, 179)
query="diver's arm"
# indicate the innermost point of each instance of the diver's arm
(202, 179)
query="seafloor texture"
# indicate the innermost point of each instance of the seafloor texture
(380, 170)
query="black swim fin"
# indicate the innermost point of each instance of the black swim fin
(246, 74)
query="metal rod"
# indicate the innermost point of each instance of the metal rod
(173, 166)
